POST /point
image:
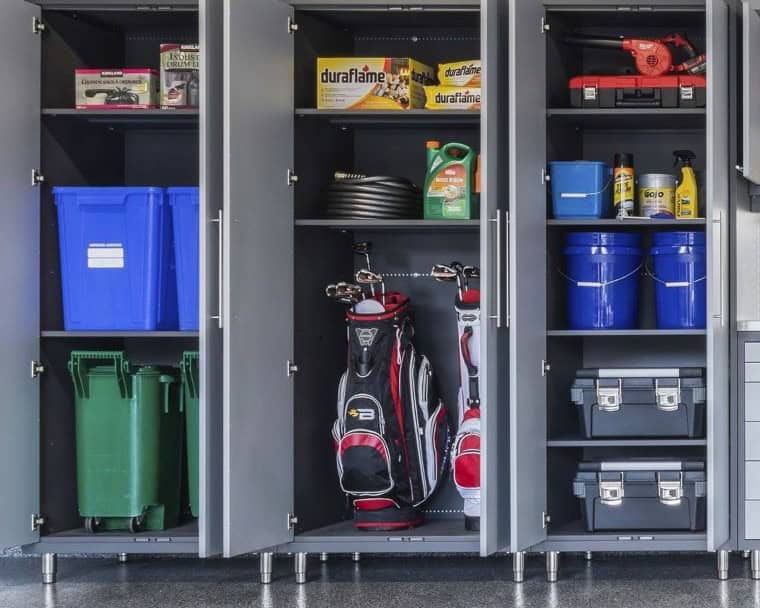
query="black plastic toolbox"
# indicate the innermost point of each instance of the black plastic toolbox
(639, 402)
(642, 495)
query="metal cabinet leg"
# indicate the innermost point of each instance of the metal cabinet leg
(589, 556)
(552, 566)
(123, 558)
(755, 564)
(300, 568)
(323, 557)
(746, 554)
(723, 565)
(265, 568)
(518, 567)
(356, 557)
(49, 568)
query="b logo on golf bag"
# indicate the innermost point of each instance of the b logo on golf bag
(362, 413)
(366, 335)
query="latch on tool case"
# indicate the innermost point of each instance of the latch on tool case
(611, 492)
(609, 398)
(670, 492)
(668, 397)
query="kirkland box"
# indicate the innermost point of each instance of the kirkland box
(114, 89)
(180, 81)
(117, 259)
(372, 83)
(640, 402)
(642, 495)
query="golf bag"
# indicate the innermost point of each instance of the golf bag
(466, 451)
(392, 435)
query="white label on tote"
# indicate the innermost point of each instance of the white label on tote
(105, 255)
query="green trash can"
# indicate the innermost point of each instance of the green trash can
(189, 399)
(129, 443)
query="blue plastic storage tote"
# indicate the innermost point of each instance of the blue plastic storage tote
(580, 189)
(117, 259)
(602, 272)
(185, 208)
(680, 273)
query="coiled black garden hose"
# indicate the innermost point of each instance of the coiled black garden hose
(380, 197)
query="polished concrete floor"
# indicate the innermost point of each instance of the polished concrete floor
(606, 582)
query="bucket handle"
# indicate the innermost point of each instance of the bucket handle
(167, 381)
(648, 272)
(597, 283)
(583, 194)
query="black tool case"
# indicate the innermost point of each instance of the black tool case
(638, 402)
(642, 495)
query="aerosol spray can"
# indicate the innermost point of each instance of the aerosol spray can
(624, 191)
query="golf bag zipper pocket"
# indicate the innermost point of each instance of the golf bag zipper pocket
(364, 464)
(363, 411)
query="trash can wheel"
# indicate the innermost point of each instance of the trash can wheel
(91, 524)
(135, 524)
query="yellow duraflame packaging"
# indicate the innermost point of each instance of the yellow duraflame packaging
(452, 98)
(460, 73)
(371, 83)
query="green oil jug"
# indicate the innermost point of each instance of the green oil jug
(450, 184)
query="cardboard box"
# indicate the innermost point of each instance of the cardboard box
(452, 98)
(460, 74)
(180, 70)
(116, 89)
(371, 83)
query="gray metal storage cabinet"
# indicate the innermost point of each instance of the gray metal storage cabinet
(746, 278)
(46, 143)
(281, 492)
(545, 439)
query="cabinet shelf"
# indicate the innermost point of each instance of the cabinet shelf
(584, 333)
(397, 118)
(119, 334)
(653, 540)
(630, 118)
(638, 223)
(391, 225)
(129, 119)
(571, 441)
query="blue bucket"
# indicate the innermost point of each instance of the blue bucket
(603, 270)
(580, 189)
(680, 270)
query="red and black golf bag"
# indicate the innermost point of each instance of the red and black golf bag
(466, 451)
(392, 435)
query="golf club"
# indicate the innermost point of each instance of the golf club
(367, 277)
(364, 248)
(470, 272)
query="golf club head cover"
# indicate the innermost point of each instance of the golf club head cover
(392, 434)
(466, 452)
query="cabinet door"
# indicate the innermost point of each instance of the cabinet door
(751, 90)
(494, 333)
(212, 193)
(527, 273)
(717, 188)
(19, 267)
(258, 275)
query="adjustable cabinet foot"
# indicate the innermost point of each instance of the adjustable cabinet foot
(518, 567)
(323, 557)
(746, 554)
(723, 565)
(300, 567)
(123, 558)
(552, 566)
(49, 568)
(265, 568)
(589, 556)
(755, 564)
(356, 557)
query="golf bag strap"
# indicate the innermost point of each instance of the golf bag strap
(472, 370)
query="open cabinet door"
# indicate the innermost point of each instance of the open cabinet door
(717, 193)
(19, 267)
(212, 194)
(494, 464)
(527, 272)
(258, 275)
(751, 90)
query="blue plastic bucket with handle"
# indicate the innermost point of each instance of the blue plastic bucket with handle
(602, 272)
(680, 272)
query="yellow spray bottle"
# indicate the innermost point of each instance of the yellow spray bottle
(687, 203)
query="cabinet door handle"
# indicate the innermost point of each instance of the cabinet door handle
(219, 221)
(497, 226)
(718, 244)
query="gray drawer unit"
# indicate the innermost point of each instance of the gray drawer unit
(43, 133)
